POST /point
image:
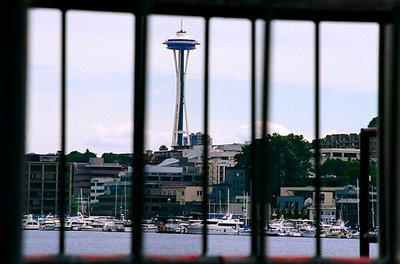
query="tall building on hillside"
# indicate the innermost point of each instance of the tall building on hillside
(181, 44)
(198, 139)
(351, 140)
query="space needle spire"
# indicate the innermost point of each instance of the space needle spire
(180, 44)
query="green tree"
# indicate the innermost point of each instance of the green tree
(76, 156)
(163, 147)
(74, 205)
(288, 161)
(110, 157)
(346, 172)
(374, 122)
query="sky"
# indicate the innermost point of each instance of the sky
(100, 72)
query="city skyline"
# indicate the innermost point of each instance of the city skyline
(100, 80)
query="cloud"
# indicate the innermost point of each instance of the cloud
(243, 132)
(278, 128)
(119, 135)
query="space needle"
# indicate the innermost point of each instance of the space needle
(180, 44)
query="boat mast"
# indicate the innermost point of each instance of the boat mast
(228, 201)
(82, 202)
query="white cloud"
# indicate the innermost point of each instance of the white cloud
(113, 135)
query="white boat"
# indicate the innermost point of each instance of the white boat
(171, 225)
(307, 230)
(305, 227)
(224, 226)
(49, 223)
(113, 225)
(282, 227)
(125, 227)
(338, 231)
(149, 226)
(28, 223)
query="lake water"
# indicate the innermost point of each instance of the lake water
(109, 243)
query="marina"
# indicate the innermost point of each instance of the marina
(227, 225)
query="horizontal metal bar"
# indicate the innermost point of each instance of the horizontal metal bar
(194, 259)
(328, 10)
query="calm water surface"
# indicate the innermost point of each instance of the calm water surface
(107, 243)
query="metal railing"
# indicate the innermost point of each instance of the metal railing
(13, 106)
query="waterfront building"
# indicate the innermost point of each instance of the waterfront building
(169, 187)
(115, 198)
(351, 140)
(327, 200)
(97, 188)
(345, 154)
(95, 168)
(290, 203)
(42, 184)
(236, 179)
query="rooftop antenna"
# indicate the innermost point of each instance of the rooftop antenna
(181, 24)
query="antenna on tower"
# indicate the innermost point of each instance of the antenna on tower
(181, 24)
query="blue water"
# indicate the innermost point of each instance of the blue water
(109, 243)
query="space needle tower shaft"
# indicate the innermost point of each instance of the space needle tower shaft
(180, 44)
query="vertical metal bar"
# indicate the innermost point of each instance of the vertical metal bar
(12, 117)
(317, 155)
(381, 173)
(364, 192)
(139, 127)
(264, 191)
(391, 143)
(63, 163)
(253, 183)
(205, 140)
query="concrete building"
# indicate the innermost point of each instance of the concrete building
(97, 187)
(42, 185)
(221, 158)
(340, 153)
(184, 194)
(351, 140)
(95, 168)
(236, 179)
(198, 139)
(327, 200)
(345, 154)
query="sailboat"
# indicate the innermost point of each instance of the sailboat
(245, 230)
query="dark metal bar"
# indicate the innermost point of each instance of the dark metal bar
(382, 203)
(12, 118)
(391, 140)
(368, 11)
(317, 155)
(205, 142)
(63, 162)
(365, 136)
(264, 191)
(139, 128)
(252, 172)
